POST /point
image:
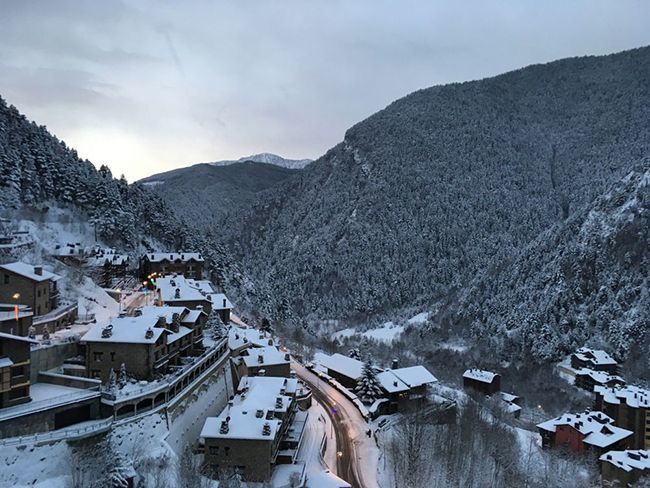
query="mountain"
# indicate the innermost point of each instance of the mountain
(444, 183)
(585, 280)
(38, 170)
(268, 158)
(215, 195)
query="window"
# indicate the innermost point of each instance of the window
(112, 356)
(6, 279)
(98, 356)
(18, 393)
(95, 373)
(38, 293)
(214, 449)
(38, 309)
(17, 371)
(226, 451)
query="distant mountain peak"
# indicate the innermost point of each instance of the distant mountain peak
(267, 158)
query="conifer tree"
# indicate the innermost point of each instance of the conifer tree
(368, 388)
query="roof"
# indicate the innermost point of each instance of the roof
(168, 286)
(7, 312)
(5, 362)
(156, 257)
(599, 429)
(239, 337)
(269, 355)
(633, 396)
(600, 376)
(390, 382)
(12, 337)
(192, 316)
(326, 479)
(352, 368)
(174, 336)
(219, 300)
(628, 460)
(246, 418)
(415, 376)
(27, 271)
(594, 356)
(508, 397)
(480, 375)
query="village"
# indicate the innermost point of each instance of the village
(70, 375)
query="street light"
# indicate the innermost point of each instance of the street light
(16, 296)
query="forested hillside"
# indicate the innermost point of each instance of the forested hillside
(583, 281)
(445, 183)
(38, 169)
(215, 196)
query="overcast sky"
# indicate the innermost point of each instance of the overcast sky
(147, 86)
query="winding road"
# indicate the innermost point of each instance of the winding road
(349, 428)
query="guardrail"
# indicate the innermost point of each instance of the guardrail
(47, 404)
(56, 435)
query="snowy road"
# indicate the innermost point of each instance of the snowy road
(357, 462)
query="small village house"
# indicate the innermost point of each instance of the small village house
(404, 387)
(15, 361)
(485, 382)
(588, 379)
(177, 291)
(593, 359)
(30, 285)
(15, 319)
(584, 432)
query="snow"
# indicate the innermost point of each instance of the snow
(326, 479)
(184, 257)
(628, 460)
(29, 271)
(419, 319)
(12, 337)
(167, 286)
(269, 356)
(5, 362)
(93, 300)
(596, 357)
(414, 376)
(239, 337)
(48, 391)
(132, 330)
(8, 313)
(600, 376)
(479, 375)
(391, 383)
(633, 396)
(387, 332)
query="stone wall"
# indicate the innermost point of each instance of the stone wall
(45, 358)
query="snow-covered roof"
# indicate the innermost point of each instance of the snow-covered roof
(600, 376)
(7, 312)
(12, 337)
(257, 398)
(192, 316)
(508, 397)
(29, 271)
(326, 479)
(265, 356)
(182, 332)
(628, 460)
(5, 362)
(595, 356)
(599, 429)
(480, 375)
(391, 383)
(414, 376)
(107, 257)
(156, 257)
(631, 395)
(219, 300)
(239, 337)
(167, 286)
(352, 368)
(133, 330)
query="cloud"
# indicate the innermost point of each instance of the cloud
(148, 85)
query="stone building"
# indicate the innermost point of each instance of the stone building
(29, 285)
(594, 359)
(624, 468)
(14, 369)
(485, 382)
(15, 319)
(629, 406)
(188, 264)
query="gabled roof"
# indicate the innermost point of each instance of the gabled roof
(480, 375)
(595, 356)
(28, 271)
(415, 376)
(352, 368)
(12, 337)
(269, 355)
(599, 429)
(156, 257)
(628, 460)
(600, 376)
(633, 396)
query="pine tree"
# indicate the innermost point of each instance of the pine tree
(354, 353)
(111, 384)
(31, 332)
(368, 388)
(46, 334)
(121, 382)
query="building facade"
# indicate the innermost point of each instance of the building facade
(624, 468)
(31, 285)
(14, 369)
(629, 406)
(485, 382)
(15, 323)
(188, 264)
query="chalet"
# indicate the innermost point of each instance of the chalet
(629, 406)
(587, 379)
(219, 301)
(15, 354)
(29, 285)
(15, 319)
(263, 361)
(147, 344)
(260, 425)
(624, 468)
(485, 382)
(71, 253)
(404, 386)
(188, 264)
(343, 369)
(175, 290)
(107, 265)
(511, 403)
(242, 338)
(582, 432)
(593, 359)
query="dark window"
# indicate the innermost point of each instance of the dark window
(38, 310)
(95, 373)
(6, 279)
(18, 393)
(227, 451)
(214, 449)
(112, 356)
(17, 371)
(98, 356)
(38, 293)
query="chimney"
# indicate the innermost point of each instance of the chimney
(287, 357)
(260, 358)
(161, 322)
(261, 372)
(224, 303)
(395, 364)
(38, 270)
(177, 293)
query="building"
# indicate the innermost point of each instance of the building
(261, 361)
(404, 386)
(147, 345)
(15, 353)
(219, 301)
(485, 382)
(593, 359)
(344, 369)
(242, 338)
(325, 479)
(29, 285)
(177, 291)
(511, 403)
(15, 319)
(107, 265)
(629, 406)
(584, 432)
(587, 379)
(188, 264)
(259, 425)
(624, 468)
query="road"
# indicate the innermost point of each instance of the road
(350, 431)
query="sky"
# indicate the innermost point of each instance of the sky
(147, 86)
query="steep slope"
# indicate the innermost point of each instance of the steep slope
(445, 182)
(268, 158)
(583, 281)
(214, 196)
(36, 169)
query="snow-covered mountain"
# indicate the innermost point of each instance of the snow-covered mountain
(267, 158)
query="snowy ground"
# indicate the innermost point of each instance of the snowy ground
(387, 332)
